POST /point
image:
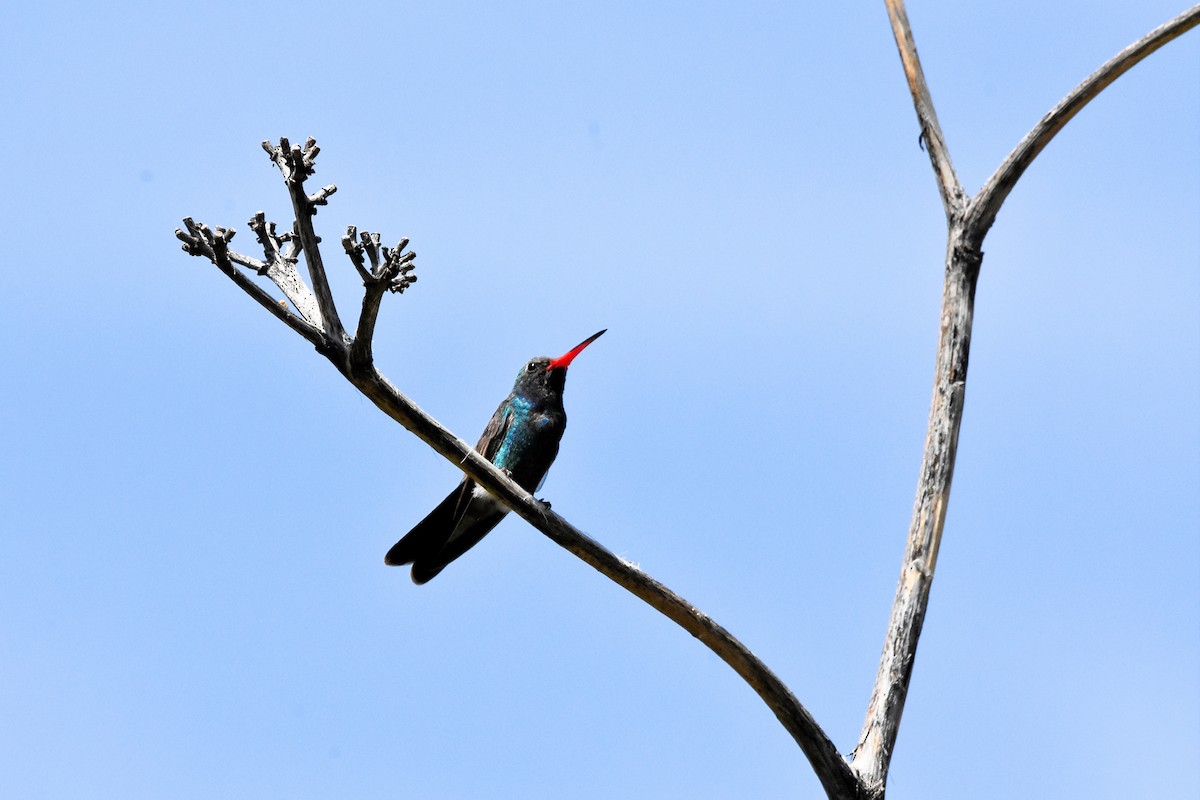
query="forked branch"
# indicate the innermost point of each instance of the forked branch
(968, 221)
(296, 163)
(390, 271)
(384, 269)
(213, 244)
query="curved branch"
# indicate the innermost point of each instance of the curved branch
(986, 204)
(390, 269)
(953, 198)
(835, 774)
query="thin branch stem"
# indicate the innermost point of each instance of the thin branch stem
(953, 197)
(986, 204)
(391, 270)
(200, 240)
(296, 164)
(361, 355)
(831, 769)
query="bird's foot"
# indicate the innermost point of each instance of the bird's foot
(544, 502)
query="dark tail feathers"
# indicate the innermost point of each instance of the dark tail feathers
(423, 543)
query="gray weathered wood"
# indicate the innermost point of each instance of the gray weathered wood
(968, 221)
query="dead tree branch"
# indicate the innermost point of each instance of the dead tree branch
(968, 221)
(384, 269)
(953, 197)
(296, 162)
(986, 204)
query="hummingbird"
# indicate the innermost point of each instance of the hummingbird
(521, 439)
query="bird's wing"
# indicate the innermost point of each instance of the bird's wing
(455, 525)
(496, 430)
(489, 443)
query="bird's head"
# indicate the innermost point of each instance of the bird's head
(542, 376)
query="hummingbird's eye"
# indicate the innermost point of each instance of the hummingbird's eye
(530, 367)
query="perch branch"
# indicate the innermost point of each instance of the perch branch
(383, 269)
(831, 769)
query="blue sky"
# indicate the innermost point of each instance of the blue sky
(196, 506)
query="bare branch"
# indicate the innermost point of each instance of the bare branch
(280, 267)
(391, 270)
(873, 755)
(321, 196)
(986, 204)
(832, 770)
(212, 244)
(297, 164)
(385, 269)
(953, 197)
(968, 224)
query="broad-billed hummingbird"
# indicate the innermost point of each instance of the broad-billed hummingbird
(522, 439)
